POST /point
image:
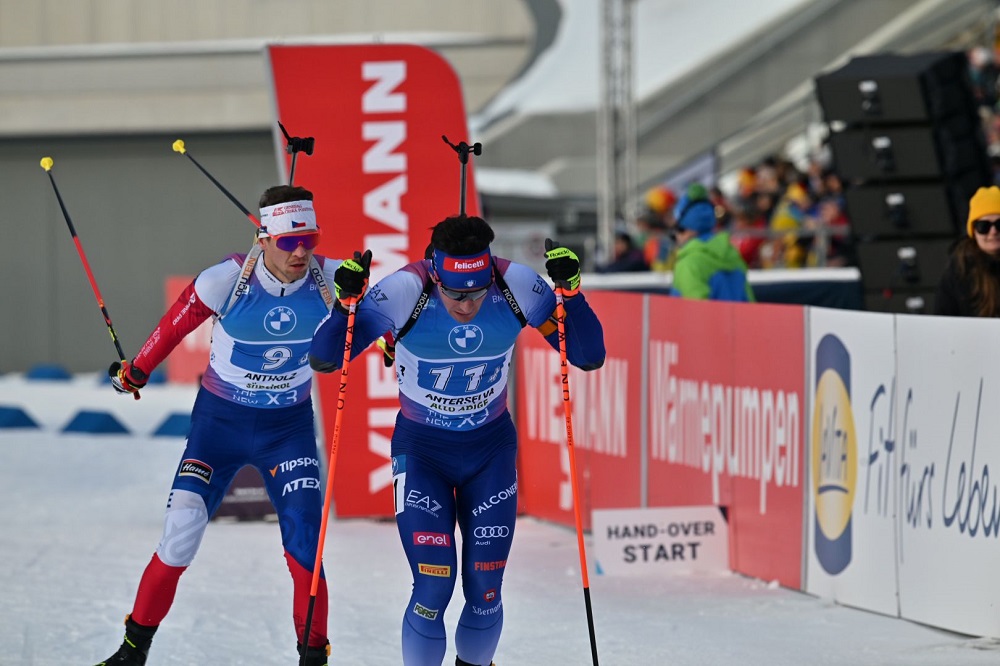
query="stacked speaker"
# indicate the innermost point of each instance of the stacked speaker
(907, 141)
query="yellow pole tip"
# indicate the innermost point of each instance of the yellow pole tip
(46, 163)
(179, 146)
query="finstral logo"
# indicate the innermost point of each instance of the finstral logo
(467, 265)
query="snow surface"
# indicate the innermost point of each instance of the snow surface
(82, 515)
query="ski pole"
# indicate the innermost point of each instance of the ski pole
(294, 145)
(568, 406)
(46, 164)
(331, 468)
(463, 149)
(179, 148)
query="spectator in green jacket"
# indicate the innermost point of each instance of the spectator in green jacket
(707, 266)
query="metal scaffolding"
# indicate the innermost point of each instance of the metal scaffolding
(616, 126)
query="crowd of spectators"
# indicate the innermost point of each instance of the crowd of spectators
(984, 74)
(778, 217)
(782, 216)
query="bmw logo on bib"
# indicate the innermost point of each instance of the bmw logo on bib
(279, 320)
(465, 339)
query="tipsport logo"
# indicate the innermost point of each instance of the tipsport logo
(465, 339)
(279, 321)
(290, 465)
(834, 455)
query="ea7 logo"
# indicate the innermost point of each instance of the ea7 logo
(418, 500)
(431, 539)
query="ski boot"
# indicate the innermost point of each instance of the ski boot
(134, 647)
(314, 656)
(459, 662)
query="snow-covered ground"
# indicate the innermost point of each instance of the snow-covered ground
(82, 514)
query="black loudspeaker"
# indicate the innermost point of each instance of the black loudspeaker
(941, 151)
(911, 209)
(908, 142)
(893, 88)
(901, 264)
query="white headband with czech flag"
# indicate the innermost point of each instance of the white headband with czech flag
(290, 217)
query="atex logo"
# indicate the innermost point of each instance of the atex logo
(431, 539)
(491, 531)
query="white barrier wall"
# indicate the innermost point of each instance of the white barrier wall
(902, 512)
(949, 432)
(850, 551)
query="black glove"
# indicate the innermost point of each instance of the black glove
(563, 266)
(126, 378)
(351, 279)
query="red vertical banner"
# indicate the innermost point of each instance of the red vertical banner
(726, 423)
(382, 176)
(606, 419)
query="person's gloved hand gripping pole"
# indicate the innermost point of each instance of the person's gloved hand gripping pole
(584, 333)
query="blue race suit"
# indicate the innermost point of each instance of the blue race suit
(254, 408)
(454, 447)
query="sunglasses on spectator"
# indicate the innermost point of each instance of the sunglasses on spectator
(463, 295)
(982, 227)
(289, 243)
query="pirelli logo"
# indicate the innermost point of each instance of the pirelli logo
(434, 570)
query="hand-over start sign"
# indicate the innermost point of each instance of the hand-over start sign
(660, 540)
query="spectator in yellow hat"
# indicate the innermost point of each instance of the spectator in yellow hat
(970, 284)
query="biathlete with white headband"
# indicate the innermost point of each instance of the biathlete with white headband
(455, 317)
(253, 408)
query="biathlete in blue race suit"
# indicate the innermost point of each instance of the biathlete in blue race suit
(454, 447)
(253, 408)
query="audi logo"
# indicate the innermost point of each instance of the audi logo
(491, 531)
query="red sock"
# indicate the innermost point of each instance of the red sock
(156, 592)
(302, 583)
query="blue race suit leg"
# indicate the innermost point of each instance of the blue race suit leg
(487, 511)
(440, 477)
